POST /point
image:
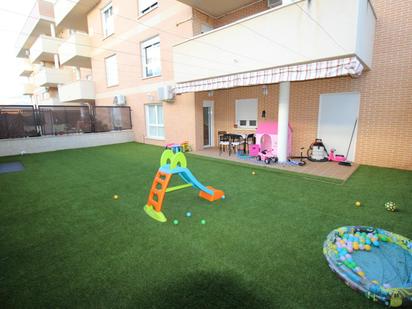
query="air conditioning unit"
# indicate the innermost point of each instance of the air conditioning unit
(273, 3)
(119, 99)
(166, 93)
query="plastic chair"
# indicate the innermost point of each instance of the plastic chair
(224, 142)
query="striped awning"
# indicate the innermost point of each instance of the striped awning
(308, 71)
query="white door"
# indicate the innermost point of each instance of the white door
(338, 113)
(208, 124)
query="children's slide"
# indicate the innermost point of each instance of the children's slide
(175, 164)
(188, 177)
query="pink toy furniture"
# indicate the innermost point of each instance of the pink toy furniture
(267, 136)
(254, 150)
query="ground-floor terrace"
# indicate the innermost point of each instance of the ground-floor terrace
(317, 109)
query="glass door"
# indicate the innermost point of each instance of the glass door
(208, 123)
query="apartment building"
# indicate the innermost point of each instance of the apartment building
(55, 61)
(189, 69)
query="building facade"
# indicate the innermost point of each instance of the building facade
(189, 69)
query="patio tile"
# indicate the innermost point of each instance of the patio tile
(322, 169)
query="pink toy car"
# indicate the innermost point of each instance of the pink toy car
(267, 155)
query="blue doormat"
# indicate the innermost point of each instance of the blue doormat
(11, 167)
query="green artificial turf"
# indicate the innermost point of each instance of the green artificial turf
(65, 242)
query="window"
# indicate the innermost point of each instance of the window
(145, 6)
(107, 20)
(205, 28)
(246, 113)
(154, 121)
(111, 71)
(151, 57)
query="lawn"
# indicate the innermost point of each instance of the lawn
(65, 242)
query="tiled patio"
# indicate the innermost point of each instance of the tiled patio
(323, 169)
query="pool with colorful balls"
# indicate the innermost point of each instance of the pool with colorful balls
(373, 261)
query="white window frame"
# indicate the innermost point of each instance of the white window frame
(107, 31)
(143, 51)
(158, 124)
(113, 80)
(249, 118)
(149, 6)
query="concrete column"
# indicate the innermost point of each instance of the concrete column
(52, 30)
(283, 121)
(78, 74)
(56, 56)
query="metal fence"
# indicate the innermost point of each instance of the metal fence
(107, 118)
(17, 121)
(24, 121)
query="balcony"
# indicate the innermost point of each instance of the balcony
(28, 88)
(38, 22)
(51, 77)
(76, 51)
(49, 101)
(44, 49)
(217, 8)
(78, 91)
(300, 32)
(25, 67)
(73, 13)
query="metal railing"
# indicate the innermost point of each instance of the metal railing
(17, 121)
(26, 120)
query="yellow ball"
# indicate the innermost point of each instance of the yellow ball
(253, 173)
(115, 196)
(357, 204)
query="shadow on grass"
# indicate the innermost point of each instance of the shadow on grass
(207, 290)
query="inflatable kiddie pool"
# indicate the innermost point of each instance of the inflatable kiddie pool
(372, 261)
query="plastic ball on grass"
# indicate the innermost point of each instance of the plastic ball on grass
(115, 197)
(253, 173)
(357, 204)
(188, 214)
(175, 222)
(203, 221)
(391, 206)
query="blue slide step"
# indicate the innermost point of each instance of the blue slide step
(188, 177)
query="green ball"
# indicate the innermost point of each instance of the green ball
(175, 222)
(203, 221)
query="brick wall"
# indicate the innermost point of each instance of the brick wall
(385, 116)
(242, 13)
(200, 18)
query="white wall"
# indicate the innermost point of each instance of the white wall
(44, 44)
(9, 147)
(77, 45)
(81, 90)
(281, 36)
(366, 32)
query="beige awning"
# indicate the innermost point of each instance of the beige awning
(349, 66)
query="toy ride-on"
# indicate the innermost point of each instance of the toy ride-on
(335, 157)
(267, 155)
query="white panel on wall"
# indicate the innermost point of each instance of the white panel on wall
(338, 113)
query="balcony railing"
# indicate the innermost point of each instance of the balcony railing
(27, 88)
(27, 121)
(38, 22)
(44, 49)
(76, 51)
(78, 91)
(301, 32)
(51, 77)
(25, 67)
